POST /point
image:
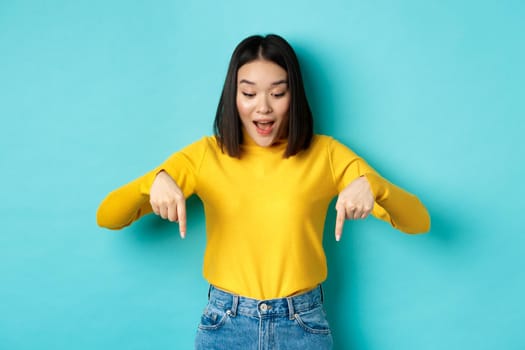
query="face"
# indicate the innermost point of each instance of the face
(263, 101)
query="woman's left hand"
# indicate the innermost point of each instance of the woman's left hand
(354, 202)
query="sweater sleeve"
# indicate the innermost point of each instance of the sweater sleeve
(130, 202)
(124, 205)
(403, 210)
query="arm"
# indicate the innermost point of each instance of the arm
(162, 191)
(402, 209)
(363, 191)
(125, 205)
(128, 203)
(370, 193)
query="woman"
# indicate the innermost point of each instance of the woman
(266, 182)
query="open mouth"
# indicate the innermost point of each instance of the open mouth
(264, 127)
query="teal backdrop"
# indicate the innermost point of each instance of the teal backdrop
(95, 93)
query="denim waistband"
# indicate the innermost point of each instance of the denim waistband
(288, 306)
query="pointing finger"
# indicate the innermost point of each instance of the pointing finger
(339, 222)
(181, 212)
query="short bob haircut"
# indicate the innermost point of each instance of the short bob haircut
(227, 125)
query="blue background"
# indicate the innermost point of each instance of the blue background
(96, 93)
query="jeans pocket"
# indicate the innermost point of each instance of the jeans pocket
(313, 321)
(213, 318)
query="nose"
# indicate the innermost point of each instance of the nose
(263, 105)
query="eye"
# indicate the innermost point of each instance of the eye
(247, 94)
(278, 95)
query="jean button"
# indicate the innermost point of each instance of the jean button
(264, 307)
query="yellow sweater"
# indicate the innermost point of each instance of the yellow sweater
(264, 213)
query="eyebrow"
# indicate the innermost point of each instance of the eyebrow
(278, 82)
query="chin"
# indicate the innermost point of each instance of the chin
(265, 142)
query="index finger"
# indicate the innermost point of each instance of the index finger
(339, 222)
(181, 213)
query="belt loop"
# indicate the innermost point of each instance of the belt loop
(322, 295)
(209, 291)
(235, 304)
(291, 310)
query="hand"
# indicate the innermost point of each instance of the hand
(354, 202)
(167, 200)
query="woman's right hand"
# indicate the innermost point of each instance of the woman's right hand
(167, 200)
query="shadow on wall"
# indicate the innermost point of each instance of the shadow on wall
(157, 242)
(318, 86)
(446, 238)
(445, 228)
(339, 272)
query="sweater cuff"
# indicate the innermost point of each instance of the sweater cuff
(147, 181)
(378, 185)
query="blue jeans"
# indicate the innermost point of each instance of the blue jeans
(234, 322)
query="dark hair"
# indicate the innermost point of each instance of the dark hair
(227, 125)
